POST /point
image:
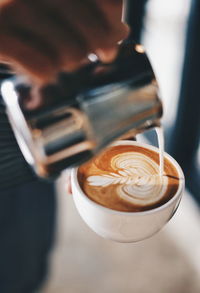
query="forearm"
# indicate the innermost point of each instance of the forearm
(13, 168)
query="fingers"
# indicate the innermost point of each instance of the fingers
(112, 10)
(37, 44)
(68, 186)
(21, 47)
(84, 17)
(26, 57)
(69, 46)
(100, 28)
(43, 37)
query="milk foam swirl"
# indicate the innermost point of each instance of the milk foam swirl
(136, 177)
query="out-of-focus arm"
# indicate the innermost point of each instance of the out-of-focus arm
(13, 168)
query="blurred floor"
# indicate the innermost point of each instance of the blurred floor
(82, 262)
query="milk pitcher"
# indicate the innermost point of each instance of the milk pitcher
(83, 111)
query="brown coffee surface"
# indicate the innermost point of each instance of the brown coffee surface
(126, 178)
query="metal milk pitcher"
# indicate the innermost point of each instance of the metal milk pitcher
(83, 111)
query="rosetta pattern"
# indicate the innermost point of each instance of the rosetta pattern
(135, 177)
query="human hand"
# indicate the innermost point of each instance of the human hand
(43, 37)
(68, 186)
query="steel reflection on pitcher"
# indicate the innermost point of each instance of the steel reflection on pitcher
(83, 111)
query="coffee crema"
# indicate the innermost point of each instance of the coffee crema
(126, 178)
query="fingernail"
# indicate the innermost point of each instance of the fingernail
(107, 55)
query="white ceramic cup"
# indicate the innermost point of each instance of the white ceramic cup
(126, 226)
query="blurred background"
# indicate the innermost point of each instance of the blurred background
(81, 261)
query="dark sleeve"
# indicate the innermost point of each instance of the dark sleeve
(13, 168)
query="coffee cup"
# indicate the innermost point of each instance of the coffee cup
(127, 226)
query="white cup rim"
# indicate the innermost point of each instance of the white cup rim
(142, 213)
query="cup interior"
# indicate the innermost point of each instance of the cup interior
(178, 193)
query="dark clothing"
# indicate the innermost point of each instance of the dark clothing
(13, 168)
(27, 218)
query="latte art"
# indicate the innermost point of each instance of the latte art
(127, 178)
(137, 179)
